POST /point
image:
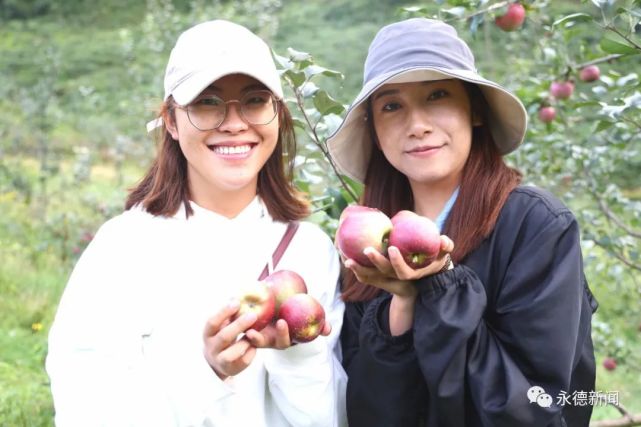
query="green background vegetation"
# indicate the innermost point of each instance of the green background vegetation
(79, 80)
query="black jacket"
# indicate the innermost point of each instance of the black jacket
(514, 314)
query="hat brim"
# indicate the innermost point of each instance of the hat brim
(195, 83)
(350, 145)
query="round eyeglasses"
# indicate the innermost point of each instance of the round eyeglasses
(208, 112)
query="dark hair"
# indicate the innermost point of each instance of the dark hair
(485, 186)
(165, 185)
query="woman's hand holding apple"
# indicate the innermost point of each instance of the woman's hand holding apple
(276, 335)
(226, 354)
(393, 274)
(271, 336)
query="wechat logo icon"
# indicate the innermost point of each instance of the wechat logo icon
(537, 395)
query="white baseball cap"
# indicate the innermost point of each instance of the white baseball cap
(214, 49)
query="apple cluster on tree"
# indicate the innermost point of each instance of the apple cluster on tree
(359, 227)
(564, 90)
(283, 295)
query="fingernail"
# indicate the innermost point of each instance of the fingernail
(368, 250)
(233, 304)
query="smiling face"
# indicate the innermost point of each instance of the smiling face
(225, 162)
(424, 129)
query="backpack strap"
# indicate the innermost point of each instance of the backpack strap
(280, 249)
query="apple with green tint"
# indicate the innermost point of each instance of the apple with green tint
(257, 298)
(305, 317)
(360, 227)
(416, 237)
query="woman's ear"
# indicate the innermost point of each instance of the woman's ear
(170, 124)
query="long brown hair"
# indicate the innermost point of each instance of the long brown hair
(165, 185)
(485, 186)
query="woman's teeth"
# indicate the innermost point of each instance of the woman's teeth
(225, 149)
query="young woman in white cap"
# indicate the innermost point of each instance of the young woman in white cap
(498, 326)
(145, 333)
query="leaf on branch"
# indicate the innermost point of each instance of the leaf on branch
(601, 4)
(632, 12)
(296, 77)
(283, 62)
(603, 125)
(476, 21)
(332, 122)
(628, 79)
(414, 9)
(459, 11)
(325, 104)
(303, 59)
(314, 70)
(299, 123)
(613, 46)
(614, 111)
(309, 89)
(573, 19)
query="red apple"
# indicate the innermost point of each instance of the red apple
(589, 73)
(284, 284)
(610, 363)
(257, 298)
(547, 114)
(305, 317)
(360, 227)
(512, 19)
(402, 215)
(562, 90)
(416, 237)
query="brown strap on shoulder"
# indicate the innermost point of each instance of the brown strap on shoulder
(280, 249)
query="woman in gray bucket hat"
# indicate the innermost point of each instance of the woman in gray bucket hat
(496, 330)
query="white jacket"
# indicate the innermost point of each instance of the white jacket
(126, 346)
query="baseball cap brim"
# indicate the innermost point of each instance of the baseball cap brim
(191, 87)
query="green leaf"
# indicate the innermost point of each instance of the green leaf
(632, 12)
(588, 103)
(612, 46)
(283, 62)
(603, 125)
(476, 21)
(309, 89)
(314, 70)
(602, 4)
(299, 123)
(414, 9)
(302, 59)
(325, 104)
(459, 11)
(575, 17)
(298, 56)
(296, 77)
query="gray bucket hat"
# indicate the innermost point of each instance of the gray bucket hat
(413, 50)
